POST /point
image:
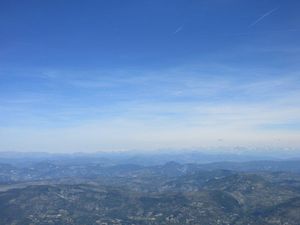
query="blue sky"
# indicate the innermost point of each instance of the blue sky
(140, 74)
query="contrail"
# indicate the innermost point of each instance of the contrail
(263, 16)
(178, 30)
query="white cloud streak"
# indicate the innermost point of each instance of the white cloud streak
(263, 17)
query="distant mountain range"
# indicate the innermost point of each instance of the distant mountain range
(89, 189)
(148, 158)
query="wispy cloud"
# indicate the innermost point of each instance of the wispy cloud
(183, 106)
(263, 16)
